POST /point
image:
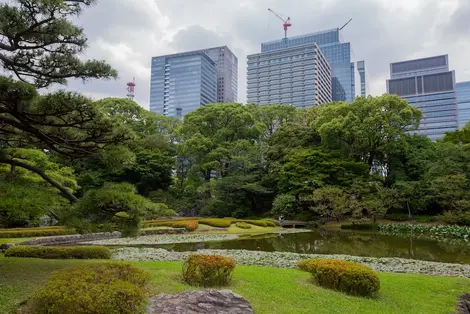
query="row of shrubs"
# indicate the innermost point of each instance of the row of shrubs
(59, 252)
(189, 225)
(122, 288)
(213, 222)
(35, 232)
(243, 225)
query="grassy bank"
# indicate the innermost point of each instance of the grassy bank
(270, 290)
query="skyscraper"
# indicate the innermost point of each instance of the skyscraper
(463, 102)
(361, 68)
(298, 75)
(427, 84)
(182, 82)
(336, 52)
(227, 73)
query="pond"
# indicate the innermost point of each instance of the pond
(348, 243)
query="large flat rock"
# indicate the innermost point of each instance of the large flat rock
(203, 302)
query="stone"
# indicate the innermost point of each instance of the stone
(5, 246)
(463, 307)
(200, 302)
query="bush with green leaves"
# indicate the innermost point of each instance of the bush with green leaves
(243, 225)
(285, 204)
(35, 232)
(397, 217)
(116, 203)
(215, 222)
(96, 288)
(456, 218)
(59, 252)
(208, 270)
(345, 276)
(426, 219)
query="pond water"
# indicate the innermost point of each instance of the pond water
(349, 243)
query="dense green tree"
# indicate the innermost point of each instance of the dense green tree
(42, 46)
(369, 129)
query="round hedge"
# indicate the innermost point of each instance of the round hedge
(351, 278)
(208, 270)
(96, 288)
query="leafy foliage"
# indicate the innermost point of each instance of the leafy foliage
(349, 277)
(208, 270)
(59, 252)
(96, 288)
(114, 202)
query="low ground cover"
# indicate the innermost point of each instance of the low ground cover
(270, 290)
(289, 260)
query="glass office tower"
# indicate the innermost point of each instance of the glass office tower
(429, 85)
(361, 69)
(463, 102)
(298, 75)
(227, 73)
(182, 82)
(336, 52)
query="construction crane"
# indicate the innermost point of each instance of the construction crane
(286, 22)
(345, 24)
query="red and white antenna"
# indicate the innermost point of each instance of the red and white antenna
(130, 89)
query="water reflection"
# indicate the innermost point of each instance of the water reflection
(359, 244)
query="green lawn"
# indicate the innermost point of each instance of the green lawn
(270, 290)
(14, 240)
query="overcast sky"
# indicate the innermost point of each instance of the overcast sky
(127, 33)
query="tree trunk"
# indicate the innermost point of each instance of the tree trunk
(409, 210)
(65, 193)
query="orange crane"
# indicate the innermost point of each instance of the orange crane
(286, 22)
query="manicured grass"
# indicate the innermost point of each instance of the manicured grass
(14, 240)
(270, 290)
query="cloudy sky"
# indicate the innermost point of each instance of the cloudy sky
(127, 33)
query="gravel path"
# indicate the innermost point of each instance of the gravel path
(288, 260)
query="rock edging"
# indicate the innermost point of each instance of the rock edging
(289, 260)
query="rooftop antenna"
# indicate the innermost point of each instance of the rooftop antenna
(345, 24)
(286, 22)
(130, 89)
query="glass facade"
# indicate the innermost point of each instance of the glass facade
(463, 102)
(336, 52)
(429, 85)
(227, 73)
(182, 82)
(298, 75)
(361, 69)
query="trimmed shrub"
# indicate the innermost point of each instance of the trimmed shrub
(456, 218)
(208, 270)
(397, 217)
(34, 232)
(360, 227)
(348, 277)
(218, 223)
(59, 252)
(98, 289)
(426, 219)
(260, 223)
(189, 225)
(243, 225)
